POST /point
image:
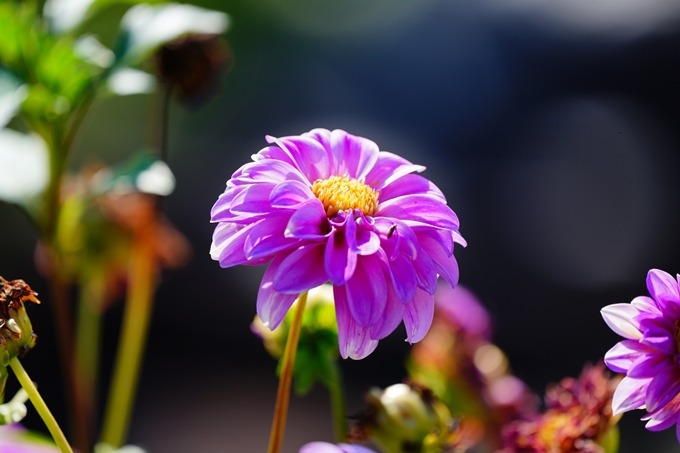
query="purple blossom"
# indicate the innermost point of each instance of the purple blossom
(331, 206)
(649, 355)
(325, 447)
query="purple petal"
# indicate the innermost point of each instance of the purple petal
(659, 339)
(301, 270)
(272, 306)
(663, 287)
(411, 185)
(290, 194)
(397, 237)
(320, 447)
(271, 152)
(665, 417)
(403, 277)
(354, 340)
(418, 316)
(323, 136)
(426, 273)
(367, 291)
(228, 241)
(623, 354)
(346, 448)
(220, 210)
(269, 171)
(388, 168)
(353, 156)
(446, 264)
(252, 199)
(629, 395)
(339, 261)
(649, 365)
(645, 304)
(310, 156)
(619, 318)
(308, 221)
(266, 238)
(364, 241)
(391, 318)
(662, 389)
(423, 209)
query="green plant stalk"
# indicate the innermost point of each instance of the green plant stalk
(40, 406)
(88, 345)
(337, 403)
(132, 342)
(286, 378)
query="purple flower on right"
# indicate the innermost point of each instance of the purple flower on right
(650, 353)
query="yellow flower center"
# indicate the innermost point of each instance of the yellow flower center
(340, 193)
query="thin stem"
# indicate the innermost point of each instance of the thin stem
(40, 406)
(88, 344)
(337, 403)
(132, 343)
(165, 119)
(286, 378)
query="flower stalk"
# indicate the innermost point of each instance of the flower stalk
(337, 403)
(40, 406)
(286, 378)
(132, 342)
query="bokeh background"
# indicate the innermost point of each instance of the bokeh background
(552, 128)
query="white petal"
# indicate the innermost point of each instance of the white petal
(619, 318)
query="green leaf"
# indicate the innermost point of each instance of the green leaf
(24, 167)
(12, 94)
(147, 27)
(610, 440)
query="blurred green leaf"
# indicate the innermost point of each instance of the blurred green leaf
(12, 94)
(24, 167)
(610, 440)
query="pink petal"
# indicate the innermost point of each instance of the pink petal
(446, 264)
(267, 238)
(645, 304)
(623, 354)
(629, 395)
(252, 199)
(301, 270)
(420, 209)
(411, 185)
(354, 341)
(310, 156)
(388, 168)
(426, 273)
(403, 277)
(340, 262)
(649, 365)
(662, 389)
(619, 318)
(665, 417)
(418, 316)
(228, 241)
(272, 306)
(663, 287)
(290, 194)
(353, 156)
(308, 221)
(367, 291)
(391, 318)
(320, 447)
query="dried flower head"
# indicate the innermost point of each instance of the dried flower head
(16, 332)
(330, 206)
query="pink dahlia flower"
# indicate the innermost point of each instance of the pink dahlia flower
(649, 355)
(331, 206)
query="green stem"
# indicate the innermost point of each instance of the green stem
(337, 403)
(286, 378)
(40, 406)
(132, 342)
(88, 343)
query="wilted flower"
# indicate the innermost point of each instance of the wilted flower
(16, 331)
(649, 353)
(331, 206)
(325, 447)
(578, 418)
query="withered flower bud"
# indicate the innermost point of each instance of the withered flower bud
(193, 64)
(16, 331)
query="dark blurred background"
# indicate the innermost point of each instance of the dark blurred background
(550, 126)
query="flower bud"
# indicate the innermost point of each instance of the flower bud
(16, 331)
